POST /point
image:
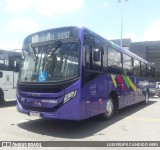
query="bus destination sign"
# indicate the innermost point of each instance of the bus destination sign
(50, 35)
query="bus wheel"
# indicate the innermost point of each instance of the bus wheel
(1, 96)
(109, 109)
(146, 97)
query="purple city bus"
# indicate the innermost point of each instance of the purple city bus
(73, 73)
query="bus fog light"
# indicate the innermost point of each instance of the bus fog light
(70, 95)
(22, 99)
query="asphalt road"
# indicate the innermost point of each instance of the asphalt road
(135, 123)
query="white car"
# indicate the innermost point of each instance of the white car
(157, 84)
(154, 89)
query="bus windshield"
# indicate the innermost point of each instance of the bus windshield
(51, 63)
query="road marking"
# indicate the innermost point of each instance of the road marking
(144, 119)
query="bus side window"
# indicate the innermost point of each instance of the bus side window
(127, 65)
(17, 64)
(143, 69)
(152, 72)
(2, 64)
(92, 63)
(96, 59)
(1, 74)
(114, 61)
(88, 56)
(105, 61)
(148, 73)
(11, 62)
(136, 68)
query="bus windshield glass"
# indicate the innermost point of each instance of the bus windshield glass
(52, 63)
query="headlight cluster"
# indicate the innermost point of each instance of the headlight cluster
(22, 99)
(69, 96)
(19, 97)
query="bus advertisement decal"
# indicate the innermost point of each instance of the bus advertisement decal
(114, 81)
(126, 80)
(120, 80)
(132, 84)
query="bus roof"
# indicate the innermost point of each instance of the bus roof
(10, 51)
(104, 40)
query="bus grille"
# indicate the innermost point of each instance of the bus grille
(41, 109)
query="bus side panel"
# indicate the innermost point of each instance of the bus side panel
(140, 92)
(133, 91)
(93, 97)
(125, 87)
(6, 83)
(10, 94)
(95, 94)
(71, 109)
(129, 90)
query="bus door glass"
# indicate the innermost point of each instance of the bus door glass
(93, 82)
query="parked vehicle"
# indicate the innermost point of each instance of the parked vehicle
(154, 89)
(9, 69)
(73, 73)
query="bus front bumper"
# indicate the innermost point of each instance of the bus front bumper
(69, 111)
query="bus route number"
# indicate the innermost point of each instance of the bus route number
(63, 35)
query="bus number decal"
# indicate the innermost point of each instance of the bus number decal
(93, 90)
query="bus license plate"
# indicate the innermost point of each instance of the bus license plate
(36, 114)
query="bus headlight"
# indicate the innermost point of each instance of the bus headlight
(70, 95)
(22, 99)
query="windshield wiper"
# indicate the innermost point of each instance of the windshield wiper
(53, 48)
(33, 52)
(50, 51)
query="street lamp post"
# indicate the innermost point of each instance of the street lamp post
(122, 4)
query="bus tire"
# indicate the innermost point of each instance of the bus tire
(110, 109)
(1, 96)
(146, 101)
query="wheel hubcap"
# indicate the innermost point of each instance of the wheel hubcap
(109, 107)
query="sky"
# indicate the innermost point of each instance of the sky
(19, 18)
